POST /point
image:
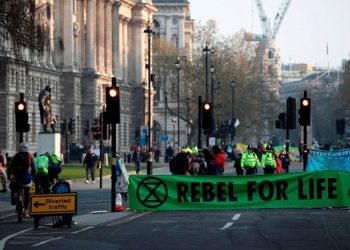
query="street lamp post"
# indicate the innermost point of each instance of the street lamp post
(174, 123)
(149, 33)
(143, 102)
(206, 50)
(178, 67)
(188, 101)
(212, 72)
(233, 85)
(165, 121)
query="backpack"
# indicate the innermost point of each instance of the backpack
(20, 163)
(55, 162)
(173, 165)
(42, 165)
(202, 169)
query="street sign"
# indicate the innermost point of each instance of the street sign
(211, 141)
(164, 138)
(47, 204)
(143, 141)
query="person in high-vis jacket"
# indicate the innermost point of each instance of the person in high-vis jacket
(268, 161)
(250, 161)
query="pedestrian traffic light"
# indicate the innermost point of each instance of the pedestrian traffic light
(206, 115)
(305, 111)
(113, 103)
(340, 123)
(21, 117)
(282, 120)
(291, 113)
(105, 127)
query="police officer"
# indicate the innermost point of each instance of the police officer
(250, 161)
(268, 161)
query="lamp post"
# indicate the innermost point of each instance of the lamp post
(149, 33)
(178, 67)
(165, 113)
(206, 50)
(143, 102)
(174, 123)
(212, 72)
(188, 101)
(233, 85)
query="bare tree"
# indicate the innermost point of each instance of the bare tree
(25, 29)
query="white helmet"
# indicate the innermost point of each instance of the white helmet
(23, 146)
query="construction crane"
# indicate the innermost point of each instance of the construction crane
(265, 22)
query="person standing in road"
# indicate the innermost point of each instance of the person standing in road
(136, 158)
(249, 161)
(219, 162)
(89, 164)
(237, 165)
(268, 161)
(3, 175)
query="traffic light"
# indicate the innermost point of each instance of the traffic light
(63, 126)
(113, 103)
(305, 111)
(282, 121)
(137, 135)
(291, 112)
(97, 134)
(105, 127)
(21, 117)
(340, 123)
(71, 126)
(206, 115)
(87, 126)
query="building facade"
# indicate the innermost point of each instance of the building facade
(102, 39)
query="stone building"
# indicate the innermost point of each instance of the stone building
(102, 38)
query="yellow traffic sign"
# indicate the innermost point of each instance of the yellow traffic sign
(41, 204)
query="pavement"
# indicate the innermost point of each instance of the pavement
(103, 216)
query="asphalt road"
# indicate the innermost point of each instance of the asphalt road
(98, 228)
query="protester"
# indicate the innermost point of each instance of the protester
(218, 164)
(237, 165)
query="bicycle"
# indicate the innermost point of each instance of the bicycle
(19, 202)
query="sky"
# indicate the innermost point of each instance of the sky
(308, 26)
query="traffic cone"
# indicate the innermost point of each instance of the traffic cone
(119, 204)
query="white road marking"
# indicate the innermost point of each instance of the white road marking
(227, 225)
(236, 217)
(46, 241)
(3, 241)
(84, 229)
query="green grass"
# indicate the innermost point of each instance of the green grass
(72, 172)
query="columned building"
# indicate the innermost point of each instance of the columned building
(102, 39)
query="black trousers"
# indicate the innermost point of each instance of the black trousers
(269, 170)
(249, 171)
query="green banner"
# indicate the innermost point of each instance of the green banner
(293, 190)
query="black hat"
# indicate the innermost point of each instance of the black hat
(268, 147)
(250, 146)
